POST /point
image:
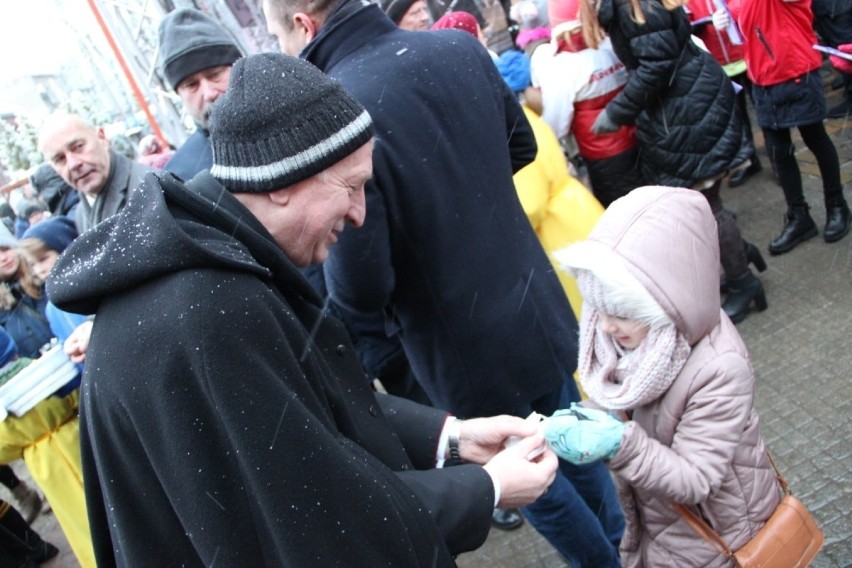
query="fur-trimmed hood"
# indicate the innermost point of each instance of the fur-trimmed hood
(658, 245)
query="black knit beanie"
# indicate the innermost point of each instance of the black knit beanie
(190, 41)
(396, 9)
(282, 121)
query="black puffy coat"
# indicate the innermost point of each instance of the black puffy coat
(679, 97)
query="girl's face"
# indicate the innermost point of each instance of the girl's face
(628, 333)
(9, 262)
(43, 264)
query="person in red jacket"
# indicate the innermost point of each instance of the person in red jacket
(788, 91)
(576, 83)
(726, 47)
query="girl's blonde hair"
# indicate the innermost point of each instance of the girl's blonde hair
(28, 281)
(592, 31)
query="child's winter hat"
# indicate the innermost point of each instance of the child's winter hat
(514, 67)
(56, 233)
(464, 21)
(190, 42)
(282, 121)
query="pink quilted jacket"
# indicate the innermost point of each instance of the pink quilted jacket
(700, 443)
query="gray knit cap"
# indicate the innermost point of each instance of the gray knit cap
(282, 121)
(190, 41)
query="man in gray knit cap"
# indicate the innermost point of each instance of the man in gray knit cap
(195, 58)
(251, 437)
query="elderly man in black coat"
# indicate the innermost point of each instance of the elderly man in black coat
(446, 248)
(225, 418)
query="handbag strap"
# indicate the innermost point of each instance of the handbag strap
(783, 482)
(704, 530)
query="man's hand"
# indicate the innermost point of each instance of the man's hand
(521, 480)
(78, 342)
(603, 124)
(482, 438)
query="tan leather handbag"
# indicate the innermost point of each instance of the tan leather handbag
(789, 539)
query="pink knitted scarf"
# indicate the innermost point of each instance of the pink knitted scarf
(619, 379)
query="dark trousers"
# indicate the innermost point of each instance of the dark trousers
(779, 146)
(579, 514)
(732, 253)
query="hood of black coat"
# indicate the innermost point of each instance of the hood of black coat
(168, 226)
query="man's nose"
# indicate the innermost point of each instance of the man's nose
(210, 90)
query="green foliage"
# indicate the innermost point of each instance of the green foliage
(19, 144)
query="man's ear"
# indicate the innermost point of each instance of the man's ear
(102, 135)
(279, 196)
(306, 25)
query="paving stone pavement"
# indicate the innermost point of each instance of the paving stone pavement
(802, 356)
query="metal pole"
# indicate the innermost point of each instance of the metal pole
(120, 58)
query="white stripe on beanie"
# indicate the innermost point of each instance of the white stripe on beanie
(290, 164)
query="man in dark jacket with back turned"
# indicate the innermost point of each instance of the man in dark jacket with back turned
(225, 418)
(446, 247)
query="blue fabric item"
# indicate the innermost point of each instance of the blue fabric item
(579, 514)
(62, 324)
(195, 155)
(8, 349)
(56, 233)
(583, 435)
(27, 324)
(514, 66)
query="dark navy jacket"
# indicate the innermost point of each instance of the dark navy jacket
(446, 247)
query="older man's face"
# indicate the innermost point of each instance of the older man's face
(306, 217)
(417, 17)
(201, 89)
(78, 152)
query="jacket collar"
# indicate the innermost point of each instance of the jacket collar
(351, 25)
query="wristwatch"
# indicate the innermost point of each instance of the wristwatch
(453, 434)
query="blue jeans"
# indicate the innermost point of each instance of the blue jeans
(579, 514)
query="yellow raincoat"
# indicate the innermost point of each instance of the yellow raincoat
(562, 211)
(47, 437)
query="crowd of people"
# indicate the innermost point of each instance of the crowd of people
(382, 250)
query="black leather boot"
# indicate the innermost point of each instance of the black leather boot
(741, 292)
(799, 227)
(754, 257)
(836, 222)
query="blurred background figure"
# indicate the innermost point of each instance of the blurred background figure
(47, 438)
(833, 25)
(60, 198)
(466, 22)
(687, 126)
(30, 212)
(726, 47)
(20, 545)
(412, 16)
(533, 24)
(562, 211)
(788, 92)
(22, 300)
(576, 84)
(154, 152)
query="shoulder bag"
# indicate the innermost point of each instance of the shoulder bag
(789, 539)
